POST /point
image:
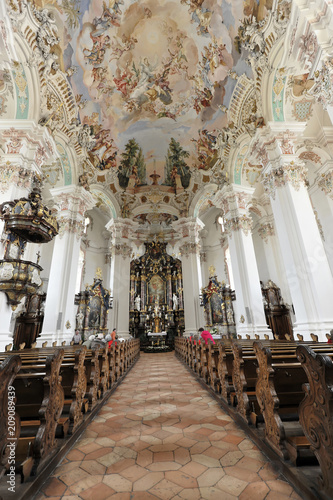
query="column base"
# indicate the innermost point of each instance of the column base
(189, 332)
(51, 337)
(319, 329)
(252, 330)
(123, 334)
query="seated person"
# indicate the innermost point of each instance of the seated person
(206, 335)
(76, 338)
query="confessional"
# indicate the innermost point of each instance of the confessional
(29, 322)
(276, 311)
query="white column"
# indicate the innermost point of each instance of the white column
(59, 319)
(308, 271)
(249, 311)
(122, 249)
(305, 260)
(190, 250)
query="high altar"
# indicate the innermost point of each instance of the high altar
(156, 292)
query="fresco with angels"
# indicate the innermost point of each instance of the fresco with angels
(154, 70)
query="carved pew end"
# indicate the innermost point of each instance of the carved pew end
(21, 346)
(44, 344)
(300, 337)
(8, 347)
(54, 344)
(239, 337)
(33, 345)
(266, 336)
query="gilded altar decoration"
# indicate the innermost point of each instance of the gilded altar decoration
(156, 292)
(93, 305)
(29, 218)
(217, 302)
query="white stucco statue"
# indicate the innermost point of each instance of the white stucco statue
(137, 301)
(175, 301)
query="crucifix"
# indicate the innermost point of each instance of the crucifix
(38, 257)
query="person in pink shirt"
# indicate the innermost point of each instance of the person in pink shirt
(206, 335)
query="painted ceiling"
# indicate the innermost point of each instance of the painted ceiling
(153, 79)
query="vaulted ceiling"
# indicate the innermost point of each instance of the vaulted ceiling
(151, 72)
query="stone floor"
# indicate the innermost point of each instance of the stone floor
(162, 436)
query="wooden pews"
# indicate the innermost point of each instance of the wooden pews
(316, 411)
(55, 391)
(281, 389)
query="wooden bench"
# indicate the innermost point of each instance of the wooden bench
(316, 411)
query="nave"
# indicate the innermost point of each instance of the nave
(161, 435)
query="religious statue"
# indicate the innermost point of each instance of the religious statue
(175, 301)
(137, 301)
(79, 320)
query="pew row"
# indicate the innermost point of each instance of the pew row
(55, 391)
(283, 394)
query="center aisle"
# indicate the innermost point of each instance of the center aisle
(162, 436)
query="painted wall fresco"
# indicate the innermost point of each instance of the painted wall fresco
(153, 71)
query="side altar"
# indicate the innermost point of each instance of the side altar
(217, 298)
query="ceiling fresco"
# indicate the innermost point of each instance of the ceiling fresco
(153, 80)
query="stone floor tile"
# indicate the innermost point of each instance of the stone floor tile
(232, 485)
(183, 480)
(117, 482)
(158, 440)
(133, 473)
(215, 494)
(275, 495)
(144, 458)
(267, 472)
(84, 484)
(210, 477)
(92, 467)
(73, 476)
(280, 486)
(241, 473)
(231, 458)
(98, 492)
(257, 490)
(120, 466)
(163, 456)
(165, 490)
(182, 456)
(148, 481)
(163, 466)
(54, 487)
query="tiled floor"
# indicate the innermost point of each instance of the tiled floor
(162, 436)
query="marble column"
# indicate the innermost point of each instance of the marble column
(59, 319)
(249, 311)
(122, 248)
(307, 267)
(188, 229)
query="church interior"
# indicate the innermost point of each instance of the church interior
(166, 166)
